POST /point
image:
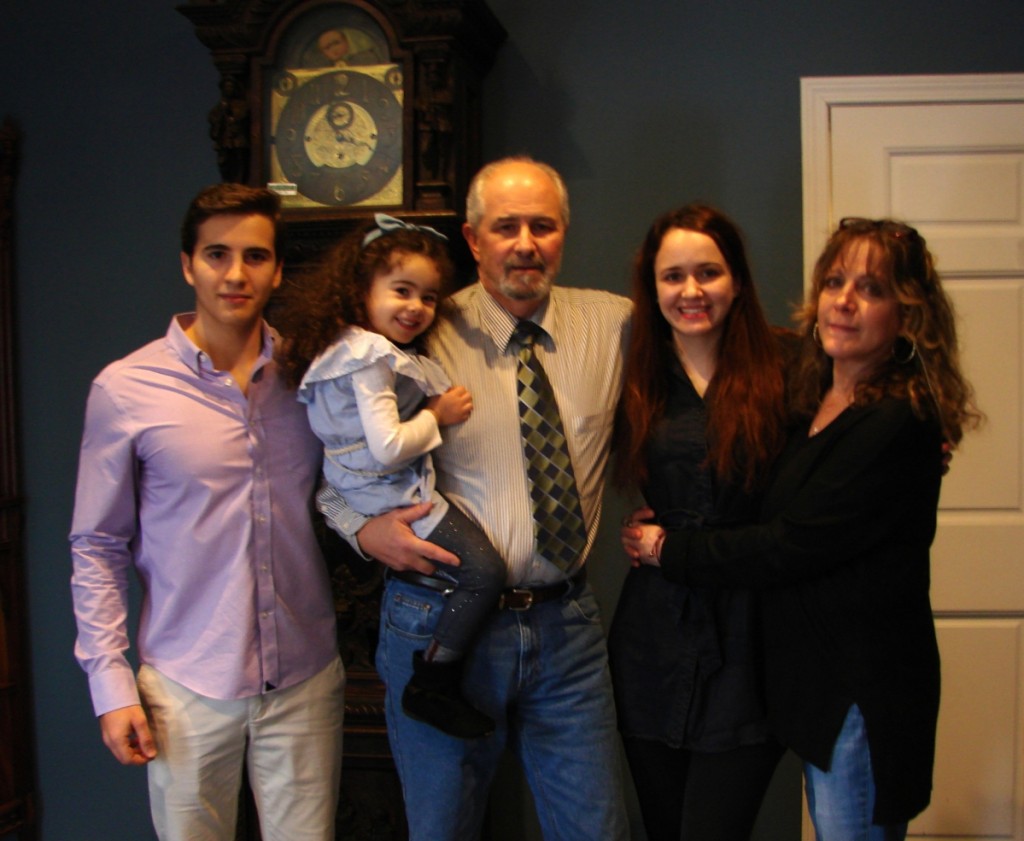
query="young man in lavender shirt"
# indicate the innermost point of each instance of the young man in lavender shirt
(196, 472)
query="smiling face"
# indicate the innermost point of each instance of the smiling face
(694, 285)
(518, 241)
(234, 270)
(858, 313)
(402, 301)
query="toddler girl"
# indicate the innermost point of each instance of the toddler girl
(377, 404)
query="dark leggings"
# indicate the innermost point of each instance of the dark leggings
(478, 580)
(687, 795)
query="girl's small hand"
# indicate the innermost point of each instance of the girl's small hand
(454, 406)
(642, 541)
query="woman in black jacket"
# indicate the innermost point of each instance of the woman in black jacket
(841, 554)
(701, 418)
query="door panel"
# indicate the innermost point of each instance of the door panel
(956, 171)
(975, 790)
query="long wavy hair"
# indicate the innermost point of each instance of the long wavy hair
(924, 366)
(745, 398)
(315, 308)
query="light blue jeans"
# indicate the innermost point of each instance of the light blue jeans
(842, 799)
(542, 675)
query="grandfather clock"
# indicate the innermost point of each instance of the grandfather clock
(346, 108)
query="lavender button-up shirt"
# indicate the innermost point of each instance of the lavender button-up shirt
(205, 492)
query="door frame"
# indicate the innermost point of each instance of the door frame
(820, 94)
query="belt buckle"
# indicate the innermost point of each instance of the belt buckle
(525, 594)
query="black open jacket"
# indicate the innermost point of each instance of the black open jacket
(840, 559)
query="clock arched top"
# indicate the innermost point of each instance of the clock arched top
(329, 33)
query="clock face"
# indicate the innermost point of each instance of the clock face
(337, 136)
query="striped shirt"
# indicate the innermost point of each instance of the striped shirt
(481, 466)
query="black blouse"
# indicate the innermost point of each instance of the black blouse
(684, 659)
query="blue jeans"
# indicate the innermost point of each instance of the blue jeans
(542, 675)
(842, 799)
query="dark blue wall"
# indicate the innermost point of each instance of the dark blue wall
(641, 105)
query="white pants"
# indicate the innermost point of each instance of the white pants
(289, 739)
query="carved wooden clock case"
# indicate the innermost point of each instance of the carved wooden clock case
(346, 108)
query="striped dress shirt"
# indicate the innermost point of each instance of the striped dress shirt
(481, 466)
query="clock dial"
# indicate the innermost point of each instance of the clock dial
(337, 135)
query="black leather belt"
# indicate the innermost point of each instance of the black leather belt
(511, 598)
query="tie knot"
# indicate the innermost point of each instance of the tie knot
(526, 333)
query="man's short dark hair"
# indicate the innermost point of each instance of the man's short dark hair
(232, 200)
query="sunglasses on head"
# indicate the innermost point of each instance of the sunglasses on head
(897, 230)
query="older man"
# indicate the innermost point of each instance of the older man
(539, 667)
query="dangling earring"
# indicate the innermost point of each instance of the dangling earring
(815, 336)
(909, 342)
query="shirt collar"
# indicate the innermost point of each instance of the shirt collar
(196, 360)
(499, 323)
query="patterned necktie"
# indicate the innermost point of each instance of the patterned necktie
(558, 518)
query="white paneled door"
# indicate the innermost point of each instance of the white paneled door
(946, 154)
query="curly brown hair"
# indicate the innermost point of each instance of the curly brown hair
(314, 308)
(745, 398)
(924, 366)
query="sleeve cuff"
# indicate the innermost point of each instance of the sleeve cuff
(344, 520)
(113, 689)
